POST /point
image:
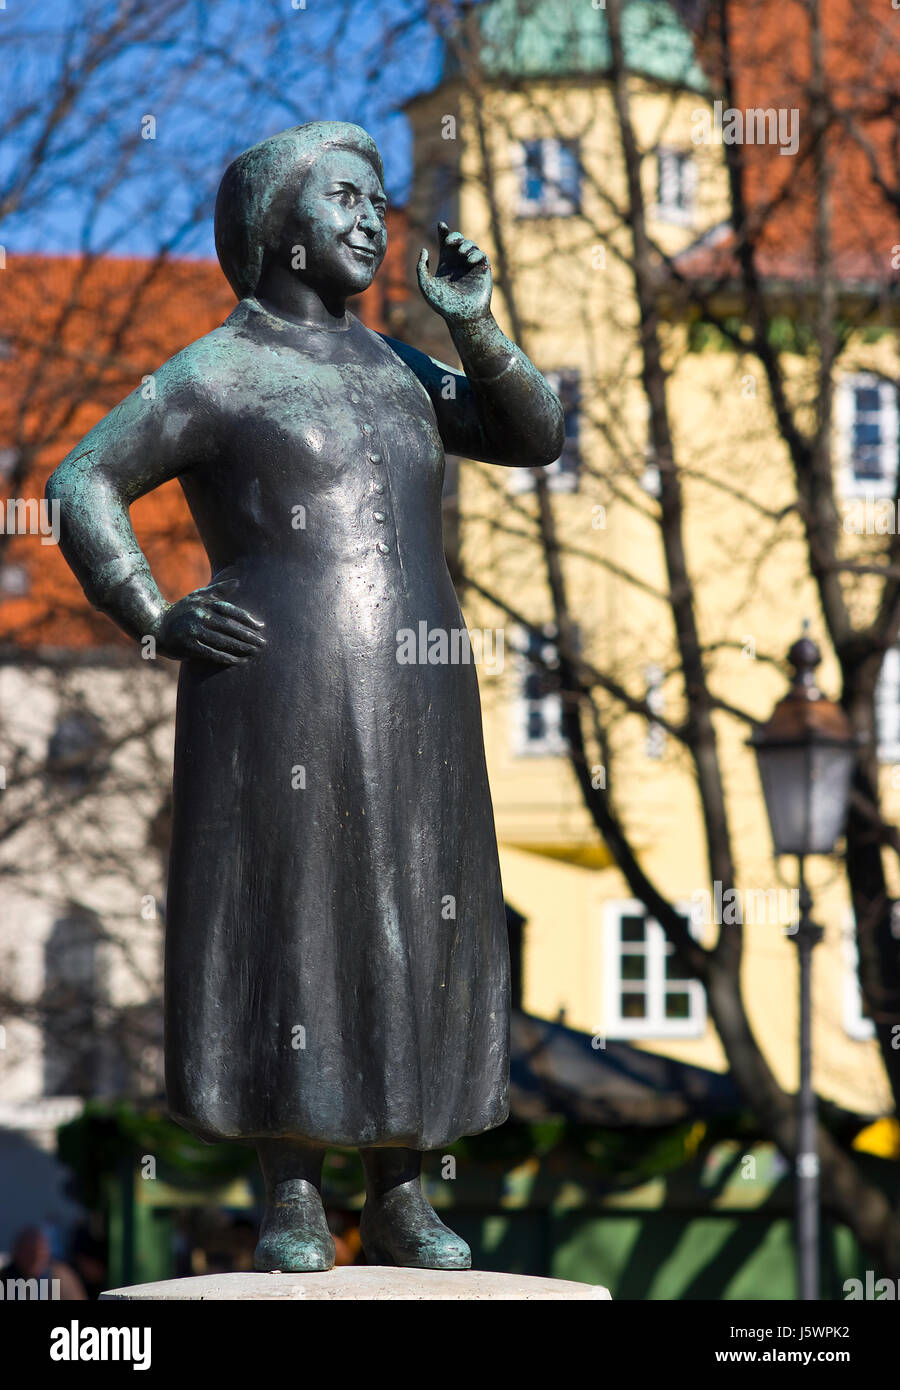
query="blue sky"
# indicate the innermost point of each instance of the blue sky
(214, 78)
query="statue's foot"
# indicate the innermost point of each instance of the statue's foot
(294, 1237)
(402, 1228)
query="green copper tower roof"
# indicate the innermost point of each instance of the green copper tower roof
(538, 38)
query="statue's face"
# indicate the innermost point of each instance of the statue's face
(339, 221)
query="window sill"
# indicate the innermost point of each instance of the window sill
(563, 210)
(673, 217)
(642, 1031)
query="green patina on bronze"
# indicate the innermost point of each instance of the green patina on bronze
(315, 904)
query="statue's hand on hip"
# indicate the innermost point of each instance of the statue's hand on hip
(460, 288)
(205, 625)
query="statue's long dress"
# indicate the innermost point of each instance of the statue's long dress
(336, 954)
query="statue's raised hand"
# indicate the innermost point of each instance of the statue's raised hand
(205, 625)
(460, 289)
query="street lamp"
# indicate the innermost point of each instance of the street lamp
(806, 753)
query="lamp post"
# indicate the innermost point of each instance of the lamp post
(805, 753)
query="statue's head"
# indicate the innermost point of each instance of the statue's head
(311, 198)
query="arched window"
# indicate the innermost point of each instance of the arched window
(72, 1004)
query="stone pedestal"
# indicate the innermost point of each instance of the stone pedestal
(363, 1282)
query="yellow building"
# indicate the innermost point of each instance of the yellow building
(518, 147)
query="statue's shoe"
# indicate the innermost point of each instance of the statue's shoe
(402, 1228)
(294, 1237)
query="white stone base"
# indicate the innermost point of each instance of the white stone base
(363, 1282)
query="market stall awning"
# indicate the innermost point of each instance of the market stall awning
(556, 1071)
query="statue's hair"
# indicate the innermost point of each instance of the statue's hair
(250, 203)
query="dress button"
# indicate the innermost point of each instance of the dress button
(378, 487)
(367, 428)
(382, 548)
(379, 516)
(374, 458)
(354, 396)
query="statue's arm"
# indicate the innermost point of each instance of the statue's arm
(499, 408)
(139, 445)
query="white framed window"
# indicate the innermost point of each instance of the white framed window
(856, 1025)
(562, 474)
(866, 421)
(646, 995)
(655, 745)
(650, 478)
(549, 173)
(537, 708)
(887, 707)
(676, 186)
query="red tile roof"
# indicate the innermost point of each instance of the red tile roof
(770, 43)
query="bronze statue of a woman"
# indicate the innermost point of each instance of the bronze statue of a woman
(329, 801)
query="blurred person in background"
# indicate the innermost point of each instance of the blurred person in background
(31, 1259)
